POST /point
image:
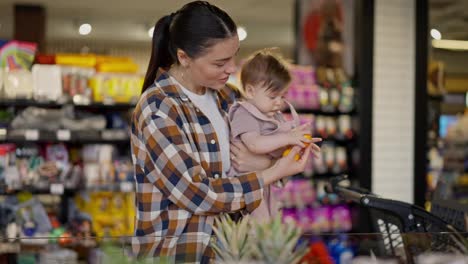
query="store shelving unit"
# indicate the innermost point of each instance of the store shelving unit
(23, 103)
(20, 137)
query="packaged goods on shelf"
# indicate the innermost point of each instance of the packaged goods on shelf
(117, 67)
(320, 219)
(112, 213)
(310, 210)
(16, 55)
(45, 59)
(81, 79)
(17, 83)
(302, 74)
(116, 88)
(78, 60)
(303, 91)
(336, 132)
(452, 186)
(347, 99)
(98, 164)
(75, 83)
(326, 89)
(8, 166)
(37, 168)
(55, 119)
(47, 83)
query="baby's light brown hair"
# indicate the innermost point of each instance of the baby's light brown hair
(266, 68)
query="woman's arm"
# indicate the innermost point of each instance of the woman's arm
(170, 166)
(244, 160)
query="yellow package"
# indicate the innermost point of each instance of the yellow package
(117, 88)
(109, 59)
(117, 67)
(112, 213)
(88, 60)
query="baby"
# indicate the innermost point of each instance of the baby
(257, 121)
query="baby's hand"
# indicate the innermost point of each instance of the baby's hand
(308, 141)
(297, 135)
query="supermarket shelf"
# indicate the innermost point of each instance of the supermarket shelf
(112, 136)
(34, 191)
(322, 113)
(322, 176)
(59, 189)
(23, 103)
(438, 97)
(339, 141)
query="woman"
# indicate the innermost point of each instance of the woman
(180, 139)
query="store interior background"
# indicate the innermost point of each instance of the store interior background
(450, 18)
(120, 28)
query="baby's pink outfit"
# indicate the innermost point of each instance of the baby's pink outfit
(245, 117)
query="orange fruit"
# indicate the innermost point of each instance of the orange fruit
(286, 152)
(297, 157)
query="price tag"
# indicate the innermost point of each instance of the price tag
(56, 188)
(126, 186)
(63, 135)
(31, 134)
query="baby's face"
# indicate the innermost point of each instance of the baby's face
(266, 101)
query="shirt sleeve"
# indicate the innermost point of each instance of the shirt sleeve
(242, 121)
(174, 171)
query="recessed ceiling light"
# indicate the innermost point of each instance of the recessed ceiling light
(85, 29)
(150, 32)
(435, 34)
(242, 33)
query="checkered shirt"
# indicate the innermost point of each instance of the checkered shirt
(177, 163)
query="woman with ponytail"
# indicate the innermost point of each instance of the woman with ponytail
(180, 139)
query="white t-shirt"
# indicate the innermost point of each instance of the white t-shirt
(208, 105)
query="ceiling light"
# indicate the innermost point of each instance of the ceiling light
(242, 33)
(435, 34)
(450, 44)
(150, 32)
(85, 29)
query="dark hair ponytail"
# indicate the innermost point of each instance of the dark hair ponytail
(193, 28)
(160, 55)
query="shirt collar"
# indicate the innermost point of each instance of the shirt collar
(225, 97)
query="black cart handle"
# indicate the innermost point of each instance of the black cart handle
(354, 194)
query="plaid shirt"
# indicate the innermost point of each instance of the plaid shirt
(177, 163)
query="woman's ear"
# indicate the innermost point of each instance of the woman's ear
(249, 91)
(183, 58)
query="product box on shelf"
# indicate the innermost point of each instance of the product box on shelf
(112, 213)
(47, 82)
(116, 88)
(16, 55)
(310, 209)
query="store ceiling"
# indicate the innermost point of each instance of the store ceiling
(267, 21)
(450, 17)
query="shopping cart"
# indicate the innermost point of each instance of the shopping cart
(406, 230)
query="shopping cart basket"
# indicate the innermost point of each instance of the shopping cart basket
(406, 230)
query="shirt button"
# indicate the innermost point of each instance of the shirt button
(216, 176)
(213, 141)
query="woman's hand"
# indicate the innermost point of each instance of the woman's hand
(286, 166)
(244, 160)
